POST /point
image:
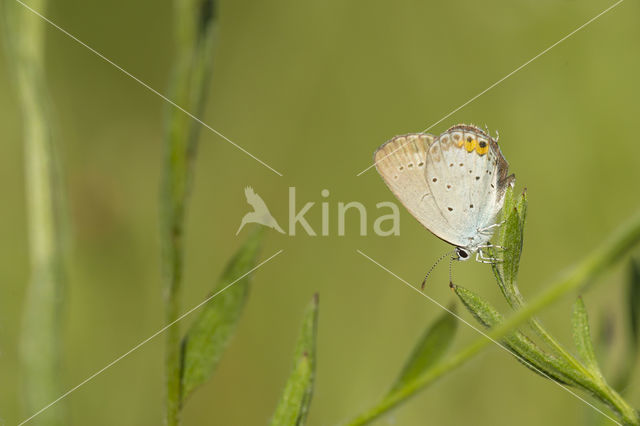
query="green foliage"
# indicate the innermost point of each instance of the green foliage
(296, 397)
(547, 358)
(206, 340)
(510, 237)
(555, 363)
(524, 349)
(195, 25)
(429, 349)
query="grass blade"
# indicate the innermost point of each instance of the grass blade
(41, 336)
(208, 336)
(296, 397)
(429, 349)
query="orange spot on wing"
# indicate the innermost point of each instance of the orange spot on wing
(482, 150)
(470, 145)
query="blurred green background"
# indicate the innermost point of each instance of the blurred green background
(312, 88)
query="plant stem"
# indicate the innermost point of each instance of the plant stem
(596, 263)
(194, 21)
(599, 387)
(41, 342)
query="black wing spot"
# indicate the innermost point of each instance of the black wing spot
(477, 177)
(470, 206)
(435, 179)
(450, 209)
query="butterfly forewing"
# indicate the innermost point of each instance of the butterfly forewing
(401, 162)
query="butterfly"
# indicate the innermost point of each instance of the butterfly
(454, 184)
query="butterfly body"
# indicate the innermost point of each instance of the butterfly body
(453, 184)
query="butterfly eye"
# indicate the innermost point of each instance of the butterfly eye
(462, 253)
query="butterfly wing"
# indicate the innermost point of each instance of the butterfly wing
(401, 162)
(467, 175)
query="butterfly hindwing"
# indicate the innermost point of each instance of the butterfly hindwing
(466, 174)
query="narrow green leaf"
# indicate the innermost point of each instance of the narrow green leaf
(41, 342)
(207, 338)
(194, 33)
(429, 349)
(582, 336)
(296, 397)
(510, 237)
(523, 348)
(523, 204)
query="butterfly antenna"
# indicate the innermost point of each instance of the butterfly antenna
(434, 266)
(451, 271)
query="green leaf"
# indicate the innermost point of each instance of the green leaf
(582, 336)
(429, 349)
(523, 348)
(510, 236)
(208, 336)
(296, 397)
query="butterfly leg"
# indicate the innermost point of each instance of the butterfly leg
(489, 229)
(483, 257)
(492, 246)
